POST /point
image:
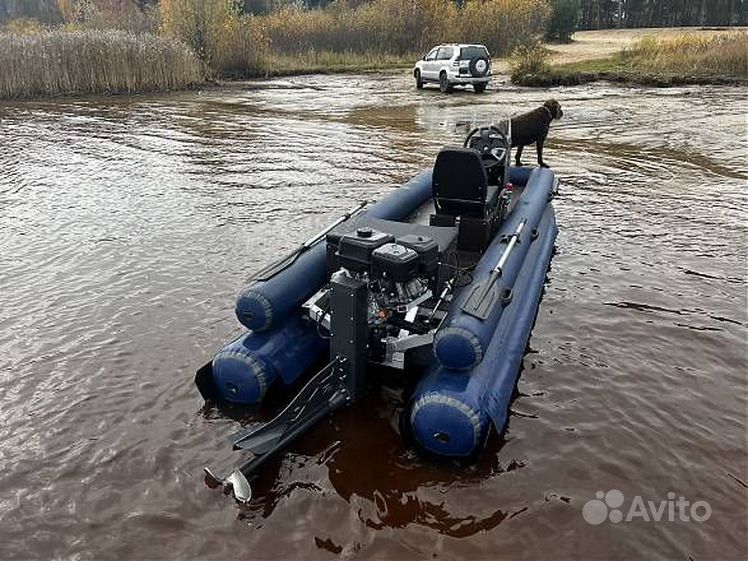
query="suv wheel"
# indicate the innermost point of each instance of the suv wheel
(444, 84)
(479, 88)
(419, 82)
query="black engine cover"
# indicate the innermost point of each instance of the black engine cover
(394, 262)
(355, 249)
(427, 249)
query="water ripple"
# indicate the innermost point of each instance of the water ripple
(129, 224)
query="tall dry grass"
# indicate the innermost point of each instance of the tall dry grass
(23, 26)
(125, 15)
(529, 59)
(229, 43)
(240, 49)
(383, 26)
(345, 32)
(399, 27)
(691, 53)
(502, 25)
(62, 62)
(86, 57)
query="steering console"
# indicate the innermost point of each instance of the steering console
(491, 142)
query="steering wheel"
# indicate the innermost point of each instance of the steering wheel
(491, 142)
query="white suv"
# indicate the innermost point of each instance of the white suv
(452, 65)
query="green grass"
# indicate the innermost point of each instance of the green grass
(331, 63)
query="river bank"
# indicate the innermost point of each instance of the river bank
(661, 58)
(48, 64)
(336, 63)
(232, 44)
(611, 70)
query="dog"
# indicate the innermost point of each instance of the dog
(533, 127)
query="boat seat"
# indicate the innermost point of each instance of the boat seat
(460, 184)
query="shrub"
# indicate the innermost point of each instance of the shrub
(529, 60)
(384, 26)
(563, 21)
(23, 26)
(216, 32)
(126, 15)
(197, 23)
(502, 25)
(240, 49)
(404, 27)
(45, 11)
(61, 62)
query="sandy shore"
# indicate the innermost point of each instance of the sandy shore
(588, 45)
(600, 44)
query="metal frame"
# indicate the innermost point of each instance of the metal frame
(339, 383)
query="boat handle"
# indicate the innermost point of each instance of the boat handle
(317, 237)
(513, 241)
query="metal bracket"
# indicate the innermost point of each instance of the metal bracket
(318, 308)
(205, 383)
(322, 394)
(337, 384)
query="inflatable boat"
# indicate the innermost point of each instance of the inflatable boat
(440, 279)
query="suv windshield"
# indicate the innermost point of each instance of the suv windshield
(469, 53)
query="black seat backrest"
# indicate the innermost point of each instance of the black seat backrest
(459, 183)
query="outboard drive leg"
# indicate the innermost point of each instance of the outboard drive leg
(337, 384)
(348, 302)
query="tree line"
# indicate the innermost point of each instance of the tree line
(604, 14)
(597, 14)
(583, 14)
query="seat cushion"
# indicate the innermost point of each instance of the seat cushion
(459, 174)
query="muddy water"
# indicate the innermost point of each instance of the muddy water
(128, 226)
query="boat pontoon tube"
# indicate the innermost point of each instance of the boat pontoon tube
(462, 340)
(266, 303)
(451, 411)
(244, 369)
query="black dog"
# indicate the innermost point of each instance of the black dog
(533, 127)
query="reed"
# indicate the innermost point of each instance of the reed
(230, 44)
(64, 62)
(384, 26)
(125, 15)
(397, 27)
(503, 25)
(213, 34)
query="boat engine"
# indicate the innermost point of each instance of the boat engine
(401, 274)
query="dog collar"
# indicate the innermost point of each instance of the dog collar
(549, 112)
